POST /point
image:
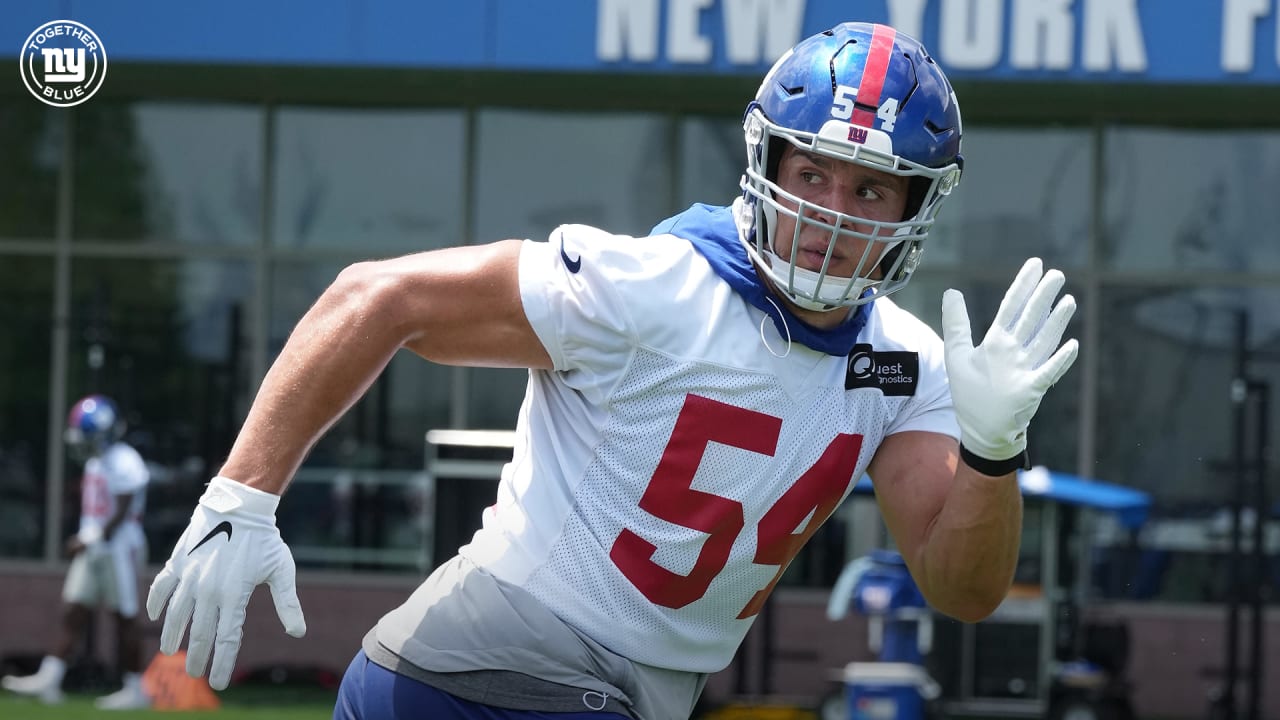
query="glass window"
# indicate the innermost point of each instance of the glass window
(1191, 200)
(368, 181)
(31, 140)
(1167, 358)
(713, 157)
(26, 296)
(385, 428)
(1023, 193)
(361, 501)
(167, 339)
(536, 171)
(169, 173)
(360, 519)
(495, 397)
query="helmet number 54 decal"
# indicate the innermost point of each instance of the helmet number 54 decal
(846, 99)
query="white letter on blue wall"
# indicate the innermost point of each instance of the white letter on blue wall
(1239, 27)
(1043, 34)
(684, 43)
(747, 22)
(627, 30)
(908, 16)
(1113, 36)
(971, 32)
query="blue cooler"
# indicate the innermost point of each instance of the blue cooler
(887, 690)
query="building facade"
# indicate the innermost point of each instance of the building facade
(159, 239)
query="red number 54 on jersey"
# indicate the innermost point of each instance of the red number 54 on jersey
(670, 496)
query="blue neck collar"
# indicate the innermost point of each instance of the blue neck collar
(713, 233)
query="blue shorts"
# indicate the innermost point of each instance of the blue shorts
(372, 692)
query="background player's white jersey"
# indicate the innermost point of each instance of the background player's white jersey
(667, 472)
(119, 470)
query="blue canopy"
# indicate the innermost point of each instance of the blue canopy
(1129, 505)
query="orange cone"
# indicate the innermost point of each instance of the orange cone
(170, 687)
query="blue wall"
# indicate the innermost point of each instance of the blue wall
(1162, 41)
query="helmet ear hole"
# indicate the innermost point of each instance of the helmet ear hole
(888, 259)
(775, 147)
(917, 189)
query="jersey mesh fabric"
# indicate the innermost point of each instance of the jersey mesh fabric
(624, 373)
(119, 470)
(585, 585)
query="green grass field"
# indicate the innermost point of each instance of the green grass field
(256, 703)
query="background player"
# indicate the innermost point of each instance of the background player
(106, 554)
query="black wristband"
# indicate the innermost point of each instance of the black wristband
(995, 468)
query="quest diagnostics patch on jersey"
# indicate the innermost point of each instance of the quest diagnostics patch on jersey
(893, 372)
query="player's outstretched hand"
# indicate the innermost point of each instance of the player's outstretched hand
(231, 546)
(997, 386)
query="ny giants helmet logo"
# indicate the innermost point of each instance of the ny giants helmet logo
(63, 63)
(855, 104)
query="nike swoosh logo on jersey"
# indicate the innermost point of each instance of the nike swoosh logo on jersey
(222, 527)
(574, 265)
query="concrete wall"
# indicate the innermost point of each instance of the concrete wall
(339, 611)
(1173, 647)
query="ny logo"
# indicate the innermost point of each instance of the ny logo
(63, 64)
(857, 134)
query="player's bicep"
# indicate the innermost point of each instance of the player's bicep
(462, 306)
(912, 473)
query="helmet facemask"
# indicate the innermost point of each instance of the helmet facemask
(892, 249)
(859, 93)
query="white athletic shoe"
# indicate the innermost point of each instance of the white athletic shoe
(126, 698)
(36, 686)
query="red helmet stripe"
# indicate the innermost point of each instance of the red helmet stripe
(873, 74)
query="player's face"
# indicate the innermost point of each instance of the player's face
(845, 188)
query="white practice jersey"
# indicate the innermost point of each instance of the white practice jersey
(119, 470)
(682, 450)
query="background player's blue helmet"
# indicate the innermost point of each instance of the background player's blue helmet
(864, 94)
(93, 423)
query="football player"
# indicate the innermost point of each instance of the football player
(106, 554)
(699, 401)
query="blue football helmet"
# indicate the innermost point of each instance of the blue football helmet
(93, 423)
(860, 93)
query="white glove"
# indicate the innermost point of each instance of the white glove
(997, 386)
(231, 546)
